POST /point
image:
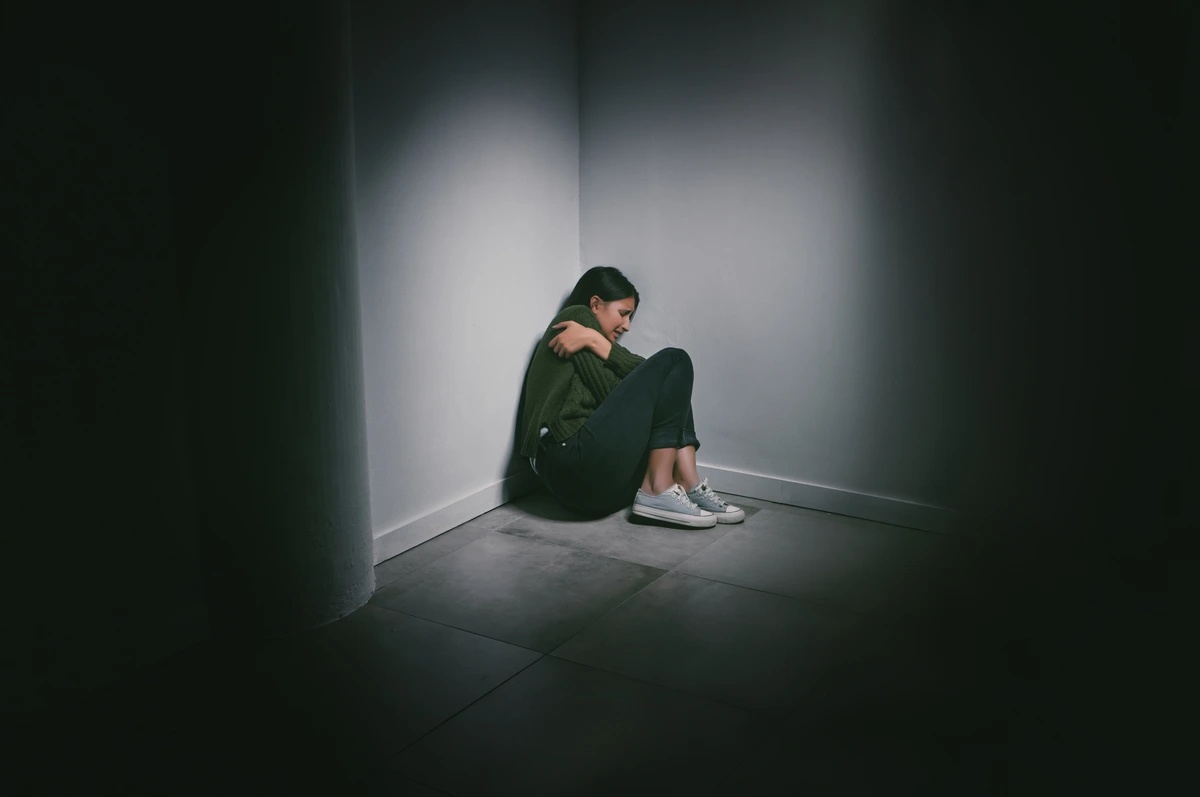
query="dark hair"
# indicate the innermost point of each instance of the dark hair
(604, 281)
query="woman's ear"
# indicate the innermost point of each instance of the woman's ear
(595, 302)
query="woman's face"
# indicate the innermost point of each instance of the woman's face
(614, 316)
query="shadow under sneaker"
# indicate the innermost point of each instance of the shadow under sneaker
(704, 497)
(673, 506)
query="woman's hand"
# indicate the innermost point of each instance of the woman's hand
(573, 338)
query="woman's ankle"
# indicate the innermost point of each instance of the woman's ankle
(651, 488)
(687, 484)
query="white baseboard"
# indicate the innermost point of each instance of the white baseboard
(734, 482)
(398, 540)
(831, 499)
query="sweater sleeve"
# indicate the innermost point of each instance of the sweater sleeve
(594, 375)
(621, 360)
(597, 375)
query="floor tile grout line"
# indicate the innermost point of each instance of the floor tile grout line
(802, 700)
(813, 601)
(868, 616)
(423, 565)
(441, 534)
(840, 660)
(871, 616)
(820, 515)
(732, 528)
(633, 595)
(416, 548)
(871, 620)
(749, 711)
(600, 618)
(614, 558)
(378, 587)
(551, 653)
(502, 530)
(789, 508)
(585, 627)
(391, 758)
(874, 616)
(457, 628)
(521, 537)
(590, 623)
(958, 534)
(901, 618)
(438, 536)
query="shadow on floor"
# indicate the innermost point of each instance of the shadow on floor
(528, 652)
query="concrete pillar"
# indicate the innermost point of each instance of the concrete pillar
(264, 177)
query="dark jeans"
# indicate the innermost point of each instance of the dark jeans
(598, 470)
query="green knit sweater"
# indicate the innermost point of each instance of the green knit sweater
(563, 393)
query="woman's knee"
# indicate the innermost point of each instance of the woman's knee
(677, 357)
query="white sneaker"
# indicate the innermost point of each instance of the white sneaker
(673, 506)
(704, 497)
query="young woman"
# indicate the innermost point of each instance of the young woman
(604, 427)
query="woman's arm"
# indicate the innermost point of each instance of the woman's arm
(576, 338)
(595, 377)
(600, 363)
(576, 331)
(573, 338)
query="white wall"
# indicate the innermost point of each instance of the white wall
(468, 234)
(892, 240)
(726, 164)
(856, 221)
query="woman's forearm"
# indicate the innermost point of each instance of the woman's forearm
(600, 346)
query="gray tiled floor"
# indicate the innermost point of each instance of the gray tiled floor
(739, 646)
(356, 675)
(785, 650)
(563, 728)
(533, 652)
(517, 590)
(864, 567)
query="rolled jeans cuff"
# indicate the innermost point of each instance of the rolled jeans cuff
(672, 439)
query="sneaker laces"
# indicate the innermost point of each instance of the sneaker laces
(708, 493)
(677, 492)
